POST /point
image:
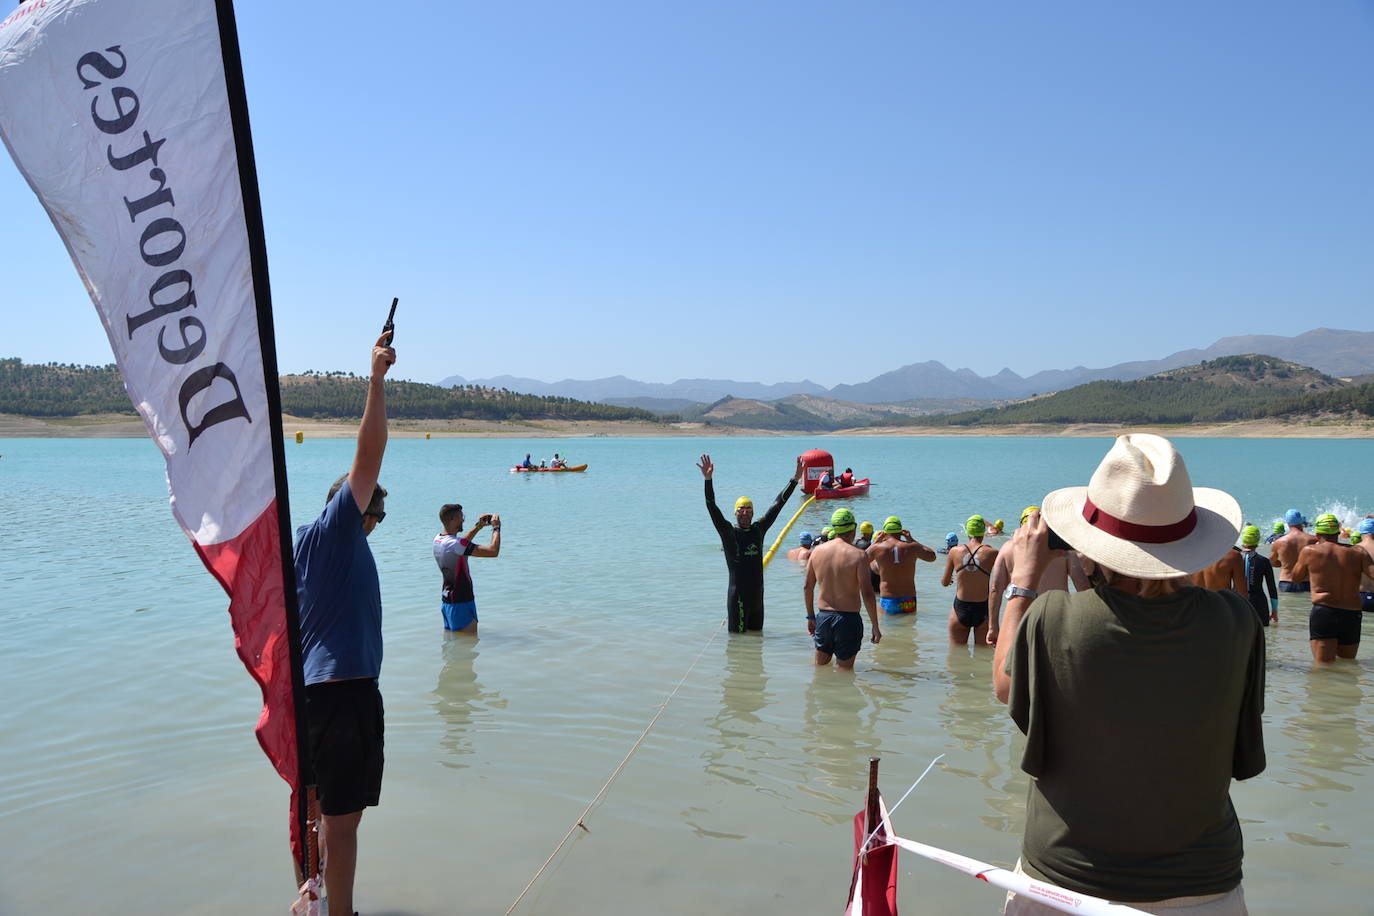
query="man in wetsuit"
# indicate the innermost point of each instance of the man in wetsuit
(1259, 575)
(744, 548)
(1286, 549)
(1275, 534)
(1334, 570)
(972, 565)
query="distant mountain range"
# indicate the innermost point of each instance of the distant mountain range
(1335, 352)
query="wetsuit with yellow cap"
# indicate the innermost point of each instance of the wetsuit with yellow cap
(744, 549)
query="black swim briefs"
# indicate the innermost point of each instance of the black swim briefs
(971, 613)
(1295, 586)
(1334, 623)
(345, 723)
(839, 633)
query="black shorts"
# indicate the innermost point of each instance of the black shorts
(839, 633)
(1367, 601)
(1295, 586)
(344, 722)
(1334, 623)
(971, 613)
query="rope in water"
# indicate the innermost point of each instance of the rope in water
(786, 528)
(581, 818)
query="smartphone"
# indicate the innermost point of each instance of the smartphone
(1056, 542)
(389, 328)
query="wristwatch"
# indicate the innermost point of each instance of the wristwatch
(1014, 591)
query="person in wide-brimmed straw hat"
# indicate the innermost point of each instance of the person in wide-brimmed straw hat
(1140, 699)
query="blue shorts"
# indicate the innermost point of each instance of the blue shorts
(460, 615)
(839, 633)
(898, 605)
(1367, 602)
(1295, 586)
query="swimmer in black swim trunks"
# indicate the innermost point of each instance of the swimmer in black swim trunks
(1334, 570)
(971, 564)
(743, 547)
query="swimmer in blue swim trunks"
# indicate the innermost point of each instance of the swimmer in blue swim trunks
(451, 552)
(840, 571)
(971, 564)
(893, 555)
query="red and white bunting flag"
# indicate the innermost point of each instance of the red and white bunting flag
(128, 119)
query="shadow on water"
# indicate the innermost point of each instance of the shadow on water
(1328, 750)
(460, 699)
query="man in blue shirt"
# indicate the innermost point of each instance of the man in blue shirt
(341, 643)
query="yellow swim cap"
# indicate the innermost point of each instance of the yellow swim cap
(1025, 513)
(742, 502)
(998, 524)
(976, 526)
(866, 528)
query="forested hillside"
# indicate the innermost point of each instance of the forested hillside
(61, 390)
(1220, 390)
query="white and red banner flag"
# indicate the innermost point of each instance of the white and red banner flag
(128, 120)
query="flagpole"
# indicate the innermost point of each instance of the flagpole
(262, 290)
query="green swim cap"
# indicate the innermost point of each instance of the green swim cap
(842, 520)
(1326, 523)
(1278, 528)
(827, 531)
(976, 526)
(1249, 536)
(1356, 538)
(892, 525)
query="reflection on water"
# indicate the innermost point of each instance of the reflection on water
(741, 739)
(839, 732)
(460, 699)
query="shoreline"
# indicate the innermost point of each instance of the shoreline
(131, 427)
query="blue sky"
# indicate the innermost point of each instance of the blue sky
(769, 191)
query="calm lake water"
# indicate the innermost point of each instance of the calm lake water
(130, 780)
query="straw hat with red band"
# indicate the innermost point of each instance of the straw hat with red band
(1141, 516)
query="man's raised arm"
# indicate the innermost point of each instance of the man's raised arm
(367, 460)
(781, 501)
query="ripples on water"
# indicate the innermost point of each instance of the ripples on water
(128, 758)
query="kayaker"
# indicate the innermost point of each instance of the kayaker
(847, 478)
(743, 547)
(558, 462)
(527, 463)
(827, 481)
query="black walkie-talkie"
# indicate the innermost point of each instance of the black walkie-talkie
(389, 328)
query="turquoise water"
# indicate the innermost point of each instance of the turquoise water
(129, 772)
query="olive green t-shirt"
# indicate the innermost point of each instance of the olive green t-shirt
(1137, 714)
